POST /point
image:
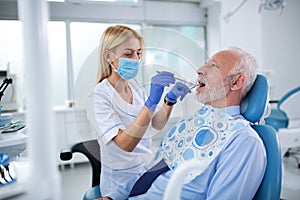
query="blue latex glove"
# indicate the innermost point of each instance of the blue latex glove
(179, 90)
(158, 83)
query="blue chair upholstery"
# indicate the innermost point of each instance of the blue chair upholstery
(92, 193)
(270, 186)
(254, 103)
(252, 108)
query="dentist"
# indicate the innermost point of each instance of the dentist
(122, 115)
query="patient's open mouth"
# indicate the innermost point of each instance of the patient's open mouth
(201, 84)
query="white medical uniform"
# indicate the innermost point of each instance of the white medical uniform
(108, 113)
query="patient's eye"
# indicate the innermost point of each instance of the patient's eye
(213, 65)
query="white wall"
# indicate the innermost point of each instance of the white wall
(213, 28)
(281, 46)
(272, 38)
(242, 29)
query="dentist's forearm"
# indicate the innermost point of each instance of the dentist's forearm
(128, 139)
(161, 117)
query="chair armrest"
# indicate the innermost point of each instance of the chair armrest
(66, 153)
(91, 150)
(273, 101)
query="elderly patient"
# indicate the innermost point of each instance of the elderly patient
(217, 135)
(234, 166)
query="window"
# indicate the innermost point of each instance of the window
(58, 60)
(161, 52)
(110, 1)
(11, 58)
(11, 44)
(179, 49)
(85, 40)
(72, 79)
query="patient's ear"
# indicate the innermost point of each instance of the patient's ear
(238, 81)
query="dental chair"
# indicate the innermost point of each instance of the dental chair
(285, 118)
(278, 117)
(252, 108)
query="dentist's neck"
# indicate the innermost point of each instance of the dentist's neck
(117, 82)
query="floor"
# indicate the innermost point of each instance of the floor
(290, 179)
(76, 179)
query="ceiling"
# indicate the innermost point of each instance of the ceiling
(196, 1)
(188, 1)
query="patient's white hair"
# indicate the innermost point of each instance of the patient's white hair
(247, 66)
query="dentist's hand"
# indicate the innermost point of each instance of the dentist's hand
(158, 83)
(179, 90)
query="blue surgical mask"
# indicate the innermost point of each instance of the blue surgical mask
(128, 68)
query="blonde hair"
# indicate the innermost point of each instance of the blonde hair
(111, 38)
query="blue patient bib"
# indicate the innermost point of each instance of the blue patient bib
(200, 137)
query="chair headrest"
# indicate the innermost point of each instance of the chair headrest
(254, 103)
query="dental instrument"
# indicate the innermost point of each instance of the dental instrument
(187, 82)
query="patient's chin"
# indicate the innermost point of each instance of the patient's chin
(211, 96)
(202, 98)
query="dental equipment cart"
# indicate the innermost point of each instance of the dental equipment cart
(12, 144)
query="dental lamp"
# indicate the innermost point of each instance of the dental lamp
(265, 4)
(272, 5)
(4, 85)
(4, 119)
